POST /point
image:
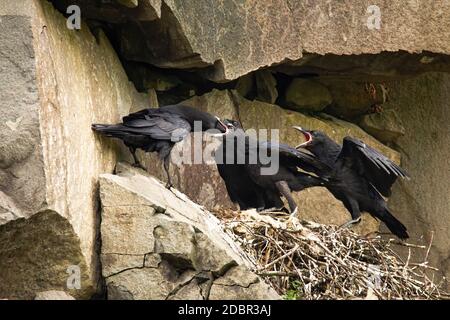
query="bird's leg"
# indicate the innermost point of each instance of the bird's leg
(284, 189)
(350, 223)
(269, 210)
(136, 163)
(166, 168)
(353, 206)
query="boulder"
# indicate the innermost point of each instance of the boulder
(386, 126)
(237, 38)
(266, 86)
(40, 254)
(308, 95)
(145, 77)
(352, 99)
(237, 284)
(422, 203)
(128, 3)
(173, 247)
(56, 83)
(245, 85)
(53, 295)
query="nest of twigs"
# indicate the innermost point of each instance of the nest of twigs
(305, 260)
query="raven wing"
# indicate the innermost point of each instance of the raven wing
(292, 157)
(379, 170)
(159, 126)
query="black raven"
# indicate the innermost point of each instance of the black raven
(247, 183)
(359, 177)
(158, 129)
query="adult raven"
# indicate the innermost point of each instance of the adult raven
(158, 129)
(247, 183)
(359, 176)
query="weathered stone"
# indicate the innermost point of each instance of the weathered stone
(191, 291)
(139, 284)
(352, 99)
(40, 254)
(208, 257)
(422, 203)
(266, 86)
(237, 284)
(112, 11)
(119, 222)
(174, 241)
(56, 82)
(145, 77)
(370, 68)
(152, 260)
(129, 3)
(182, 240)
(245, 85)
(53, 295)
(247, 36)
(386, 126)
(306, 94)
(136, 191)
(113, 263)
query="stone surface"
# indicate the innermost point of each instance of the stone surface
(375, 68)
(53, 295)
(56, 82)
(238, 37)
(129, 3)
(37, 254)
(422, 203)
(266, 86)
(386, 126)
(308, 95)
(238, 285)
(245, 85)
(352, 99)
(183, 246)
(145, 77)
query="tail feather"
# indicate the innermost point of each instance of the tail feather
(395, 226)
(109, 130)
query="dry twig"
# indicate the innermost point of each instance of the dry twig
(330, 263)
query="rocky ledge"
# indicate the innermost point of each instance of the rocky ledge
(157, 244)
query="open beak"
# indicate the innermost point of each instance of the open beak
(308, 137)
(223, 128)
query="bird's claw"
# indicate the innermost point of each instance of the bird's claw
(350, 223)
(293, 219)
(168, 185)
(272, 210)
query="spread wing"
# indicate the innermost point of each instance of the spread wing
(159, 126)
(379, 170)
(292, 157)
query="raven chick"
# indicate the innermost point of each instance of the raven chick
(241, 163)
(158, 129)
(359, 176)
